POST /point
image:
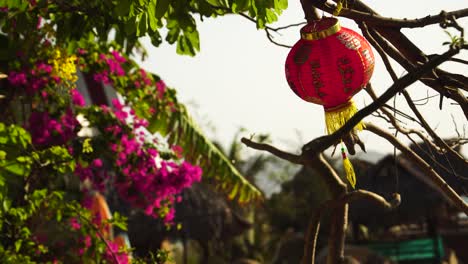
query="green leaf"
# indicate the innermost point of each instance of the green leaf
(17, 169)
(6, 205)
(19, 135)
(233, 192)
(215, 2)
(240, 6)
(142, 25)
(271, 16)
(122, 8)
(182, 48)
(24, 159)
(156, 39)
(130, 26)
(187, 23)
(19, 4)
(119, 221)
(39, 195)
(153, 21)
(280, 5)
(194, 39)
(18, 245)
(173, 35)
(58, 215)
(161, 8)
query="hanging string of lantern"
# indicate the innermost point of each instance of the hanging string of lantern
(328, 66)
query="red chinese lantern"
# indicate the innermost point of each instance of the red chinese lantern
(327, 66)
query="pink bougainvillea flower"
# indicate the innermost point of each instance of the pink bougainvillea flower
(17, 78)
(114, 253)
(39, 23)
(145, 78)
(46, 130)
(178, 151)
(87, 241)
(97, 163)
(77, 98)
(102, 77)
(115, 67)
(81, 51)
(118, 57)
(161, 86)
(75, 225)
(42, 67)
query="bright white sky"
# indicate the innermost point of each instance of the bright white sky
(237, 80)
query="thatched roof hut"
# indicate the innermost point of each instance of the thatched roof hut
(420, 198)
(424, 211)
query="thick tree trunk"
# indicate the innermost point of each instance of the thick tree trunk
(337, 234)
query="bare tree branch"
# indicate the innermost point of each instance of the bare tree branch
(440, 142)
(310, 12)
(459, 60)
(314, 223)
(310, 239)
(371, 196)
(288, 26)
(315, 161)
(330, 177)
(408, 55)
(377, 20)
(293, 158)
(441, 145)
(396, 124)
(379, 49)
(432, 81)
(270, 38)
(336, 239)
(438, 183)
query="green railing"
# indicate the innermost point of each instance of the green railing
(416, 249)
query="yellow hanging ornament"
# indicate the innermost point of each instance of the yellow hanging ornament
(348, 168)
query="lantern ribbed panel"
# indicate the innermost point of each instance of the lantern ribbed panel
(330, 70)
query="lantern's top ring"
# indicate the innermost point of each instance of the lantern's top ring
(320, 29)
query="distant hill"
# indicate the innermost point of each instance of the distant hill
(369, 156)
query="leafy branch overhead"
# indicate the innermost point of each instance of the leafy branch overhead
(183, 131)
(131, 19)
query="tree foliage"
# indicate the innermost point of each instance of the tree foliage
(56, 153)
(130, 19)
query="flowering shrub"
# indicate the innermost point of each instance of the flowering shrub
(141, 176)
(57, 152)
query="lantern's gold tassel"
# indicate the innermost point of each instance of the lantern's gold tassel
(348, 167)
(336, 117)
